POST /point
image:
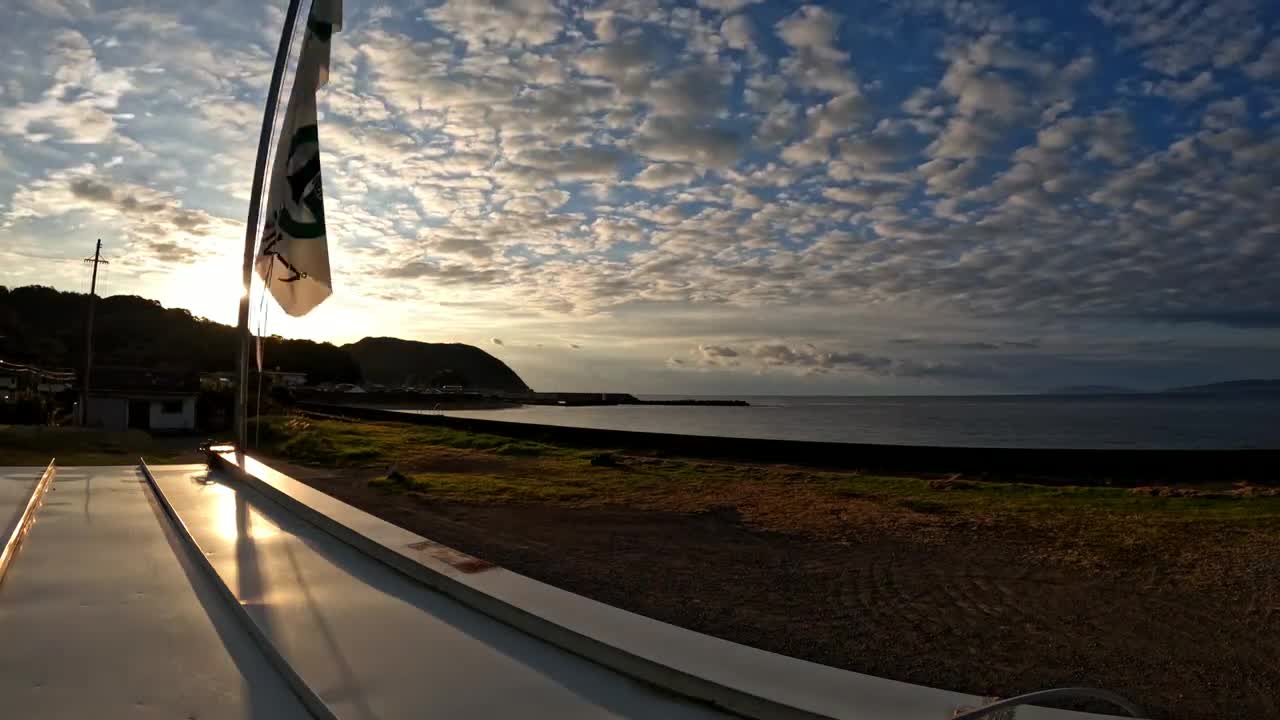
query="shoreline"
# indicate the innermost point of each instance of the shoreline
(1039, 465)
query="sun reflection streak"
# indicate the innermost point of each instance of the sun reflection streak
(231, 524)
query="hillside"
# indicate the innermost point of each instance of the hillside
(44, 326)
(392, 361)
(1232, 386)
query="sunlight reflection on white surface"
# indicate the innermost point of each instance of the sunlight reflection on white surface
(233, 520)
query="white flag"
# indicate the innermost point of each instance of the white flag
(293, 257)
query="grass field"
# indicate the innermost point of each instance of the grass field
(35, 445)
(455, 465)
(1195, 527)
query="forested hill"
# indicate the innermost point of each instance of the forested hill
(393, 361)
(45, 327)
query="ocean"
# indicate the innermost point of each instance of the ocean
(1115, 421)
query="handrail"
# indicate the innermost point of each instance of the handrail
(10, 549)
(1053, 694)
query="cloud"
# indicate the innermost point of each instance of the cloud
(650, 175)
(809, 151)
(79, 106)
(864, 195)
(737, 32)
(977, 91)
(727, 6)
(1004, 345)
(816, 63)
(445, 273)
(811, 28)
(716, 356)
(692, 91)
(61, 9)
(872, 151)
(628, 62)
(963, 138)
(1267, 64)
(677, 140)
(136, 211)
(838, 115)
(574, 162)
(661, 175)
(806, 358)
(947, 177)
(528, 22)
(1174, 39)
(1188, 91)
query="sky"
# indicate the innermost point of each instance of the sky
(727, 196)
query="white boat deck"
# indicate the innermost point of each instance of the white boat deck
(371, 642)
(107, 613)
(103, 615)
(16, 484)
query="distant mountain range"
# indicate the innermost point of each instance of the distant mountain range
(1230, 386)
(45, 327)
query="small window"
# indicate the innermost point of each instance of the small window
(171, 407)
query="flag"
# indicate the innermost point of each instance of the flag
(293, 255)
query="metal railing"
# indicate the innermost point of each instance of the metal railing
(1070, 693)
(28, 515)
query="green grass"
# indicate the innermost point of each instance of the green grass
(34, 445)
(505, 469)
(975, 497)
(479, 487)
(332, 442)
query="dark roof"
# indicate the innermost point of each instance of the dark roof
(114, 379)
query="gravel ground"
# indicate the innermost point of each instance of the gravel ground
(971, 607)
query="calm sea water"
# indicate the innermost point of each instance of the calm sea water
(1123, 421)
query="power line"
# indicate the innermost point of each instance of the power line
(88, 333)
(11, 367)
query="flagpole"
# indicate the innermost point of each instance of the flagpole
(251, 224)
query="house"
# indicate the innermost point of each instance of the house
(287, 379)
(122, 398)
(270, 378)
(8, 382)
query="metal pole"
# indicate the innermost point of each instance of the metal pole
(251, 224)
(88, 333)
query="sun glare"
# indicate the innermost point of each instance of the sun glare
(235, 519)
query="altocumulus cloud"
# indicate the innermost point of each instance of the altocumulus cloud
(1111, 169)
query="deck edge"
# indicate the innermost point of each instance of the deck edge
(309, 698)
(25, 521)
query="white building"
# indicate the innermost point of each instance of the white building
(132, 398)
(154, 413)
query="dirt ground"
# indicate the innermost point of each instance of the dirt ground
(971, 606)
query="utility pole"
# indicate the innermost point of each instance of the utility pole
(88, 333)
